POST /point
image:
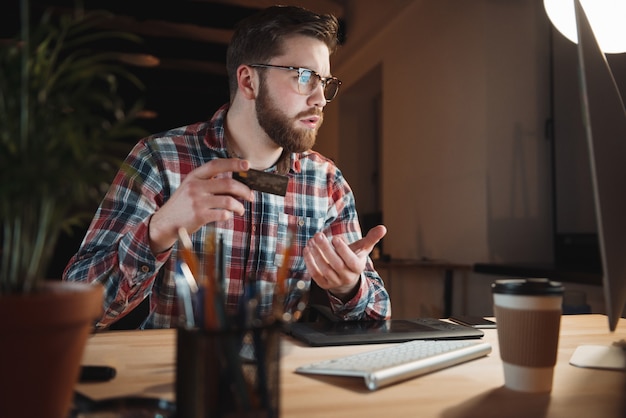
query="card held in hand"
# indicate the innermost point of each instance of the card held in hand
(263, 181)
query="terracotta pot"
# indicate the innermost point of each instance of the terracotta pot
(42, 338)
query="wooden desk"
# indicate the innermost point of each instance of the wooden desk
(145, 367)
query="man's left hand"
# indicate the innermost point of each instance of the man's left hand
(336, 265)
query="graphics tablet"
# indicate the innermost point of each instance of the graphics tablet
(370, 332)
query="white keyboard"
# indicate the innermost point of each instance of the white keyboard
(400, 362)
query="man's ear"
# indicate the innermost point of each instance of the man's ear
(247, 81)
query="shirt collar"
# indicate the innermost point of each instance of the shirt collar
(215, 140)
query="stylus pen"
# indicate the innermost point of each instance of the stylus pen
(96, 374)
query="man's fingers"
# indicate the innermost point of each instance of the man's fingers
(367, 243)
(209, 179)
(220, 165)
(374, 235)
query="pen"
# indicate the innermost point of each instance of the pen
(184, 295)
(191, 281)
(96, 374)
(186, 249)
(281, 279)
(214, 283)
(221, 265)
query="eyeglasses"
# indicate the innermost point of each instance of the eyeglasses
(309, 80)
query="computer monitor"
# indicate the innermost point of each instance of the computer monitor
(604, 119)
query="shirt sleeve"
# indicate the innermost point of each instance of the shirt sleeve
(371, 301)
(116, 251)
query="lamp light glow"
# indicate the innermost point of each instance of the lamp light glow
(606, 17)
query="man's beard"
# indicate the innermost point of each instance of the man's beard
(279, 127)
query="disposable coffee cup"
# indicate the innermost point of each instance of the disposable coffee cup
(528, 314)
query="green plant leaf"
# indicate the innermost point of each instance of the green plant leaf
(62, 136)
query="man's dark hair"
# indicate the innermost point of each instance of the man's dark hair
(260, 37)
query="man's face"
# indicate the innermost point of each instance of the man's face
(281, 127)
(289, 118)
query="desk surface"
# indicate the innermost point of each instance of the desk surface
(145, 367)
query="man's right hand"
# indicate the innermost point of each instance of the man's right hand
(204, 196)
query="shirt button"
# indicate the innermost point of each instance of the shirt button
(301, 222)
(253, 228)
(145, 269)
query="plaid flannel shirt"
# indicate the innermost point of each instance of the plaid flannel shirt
(116, 253)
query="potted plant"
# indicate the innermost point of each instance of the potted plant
(62, 118)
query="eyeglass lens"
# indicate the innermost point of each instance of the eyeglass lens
(308, 81)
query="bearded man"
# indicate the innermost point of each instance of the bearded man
(181, 182)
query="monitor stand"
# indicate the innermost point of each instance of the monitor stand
(604, 357)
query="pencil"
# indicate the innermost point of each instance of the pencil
(283, 271)
(210, 292)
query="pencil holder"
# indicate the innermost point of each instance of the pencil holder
(228, 373)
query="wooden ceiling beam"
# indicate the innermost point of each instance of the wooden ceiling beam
(333, 7)
(163, 29)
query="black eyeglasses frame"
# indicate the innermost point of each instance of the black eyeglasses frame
(325, 81)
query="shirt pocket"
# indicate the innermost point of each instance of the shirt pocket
(302, 229)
